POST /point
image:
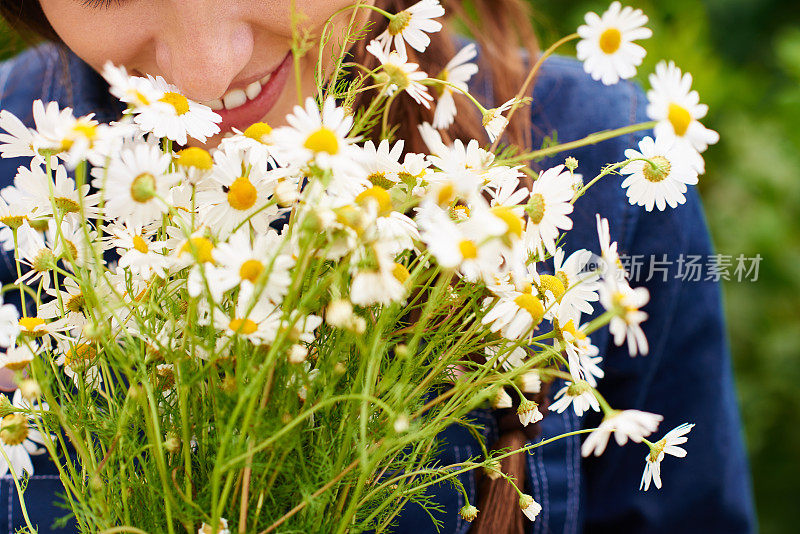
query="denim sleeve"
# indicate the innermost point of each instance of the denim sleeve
(687, 377)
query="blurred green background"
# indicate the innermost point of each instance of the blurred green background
(745, 58)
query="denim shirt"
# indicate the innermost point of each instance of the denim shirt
(686, 377)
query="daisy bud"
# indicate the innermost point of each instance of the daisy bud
(501, 399)
(528, 412)
(401, 351)
(468, 513)
(529, 507)
(571, 163)
(297, 354)
(172, 443)
(339, 313)
(401, 424)
(530, 382)
(358, 325)
(492, 469)
(30, 389)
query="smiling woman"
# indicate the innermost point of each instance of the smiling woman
(236, 57)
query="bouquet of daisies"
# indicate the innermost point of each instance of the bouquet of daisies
(270, 334)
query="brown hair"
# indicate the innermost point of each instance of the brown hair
(502, 29)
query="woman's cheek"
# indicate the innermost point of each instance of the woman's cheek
(120, 33)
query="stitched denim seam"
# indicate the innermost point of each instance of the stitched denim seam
(545, 494)
(573, 472)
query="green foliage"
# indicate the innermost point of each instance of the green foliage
(745, 59)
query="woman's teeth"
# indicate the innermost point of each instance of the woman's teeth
(238, 97)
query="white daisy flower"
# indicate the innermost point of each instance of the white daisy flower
(17, 357)
(678, 111)
(9, 323)
(402, 75)
(232, 197)
(195, 163)
(472, 246)
(51, 122)
(138, 252)
(33, 252)
(548, 210)
(35, 186)
(580, 283)
(625, 302)
(137, 92)
(257, 321)
(579, 394)
(383, 285)
(136, 182)
(15, 209)
(19, 440)
(412, 26)
(515, 312)
(19, 141)
(529, 507)
(205, 528)
(606, 46)
(661, 183)
(528, 412)
(612, 268)
(493, 120)
(256, 144)
(79, 362)
(666, 445)
(70, 296)
(457, 72)
(382, 163)
(175, 117)
(582, 356)
(69, 241)
(243, 261)
(320, 138)
(626, 424)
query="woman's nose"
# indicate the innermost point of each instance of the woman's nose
(201, 48)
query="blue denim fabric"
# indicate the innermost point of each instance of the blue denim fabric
(686, 377)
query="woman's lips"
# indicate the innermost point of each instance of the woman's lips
(239, 108)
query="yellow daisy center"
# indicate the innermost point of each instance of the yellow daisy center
(399, 22)
(242, 194)
(468, 249)
(66, 205)
(44, 261)
(195, 157)
(143, 188)
(75, 303)
(530, 304)
(535, 208)
(13, 221)
(400, 272)
(610, 40)
(570, 327)
(378, 195)
(657, 172)
(322, 140)
(680, 118)
(29, 325)
(85, 129)
(552, 283)
(202, 247)
(460, 212)
(140, 244)
(14, 429)
(251, 270)
(243, 326)
(379, 178)
(514, 223)
(79, 356)
(258, 131)
(177, 101)
(446, 194)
